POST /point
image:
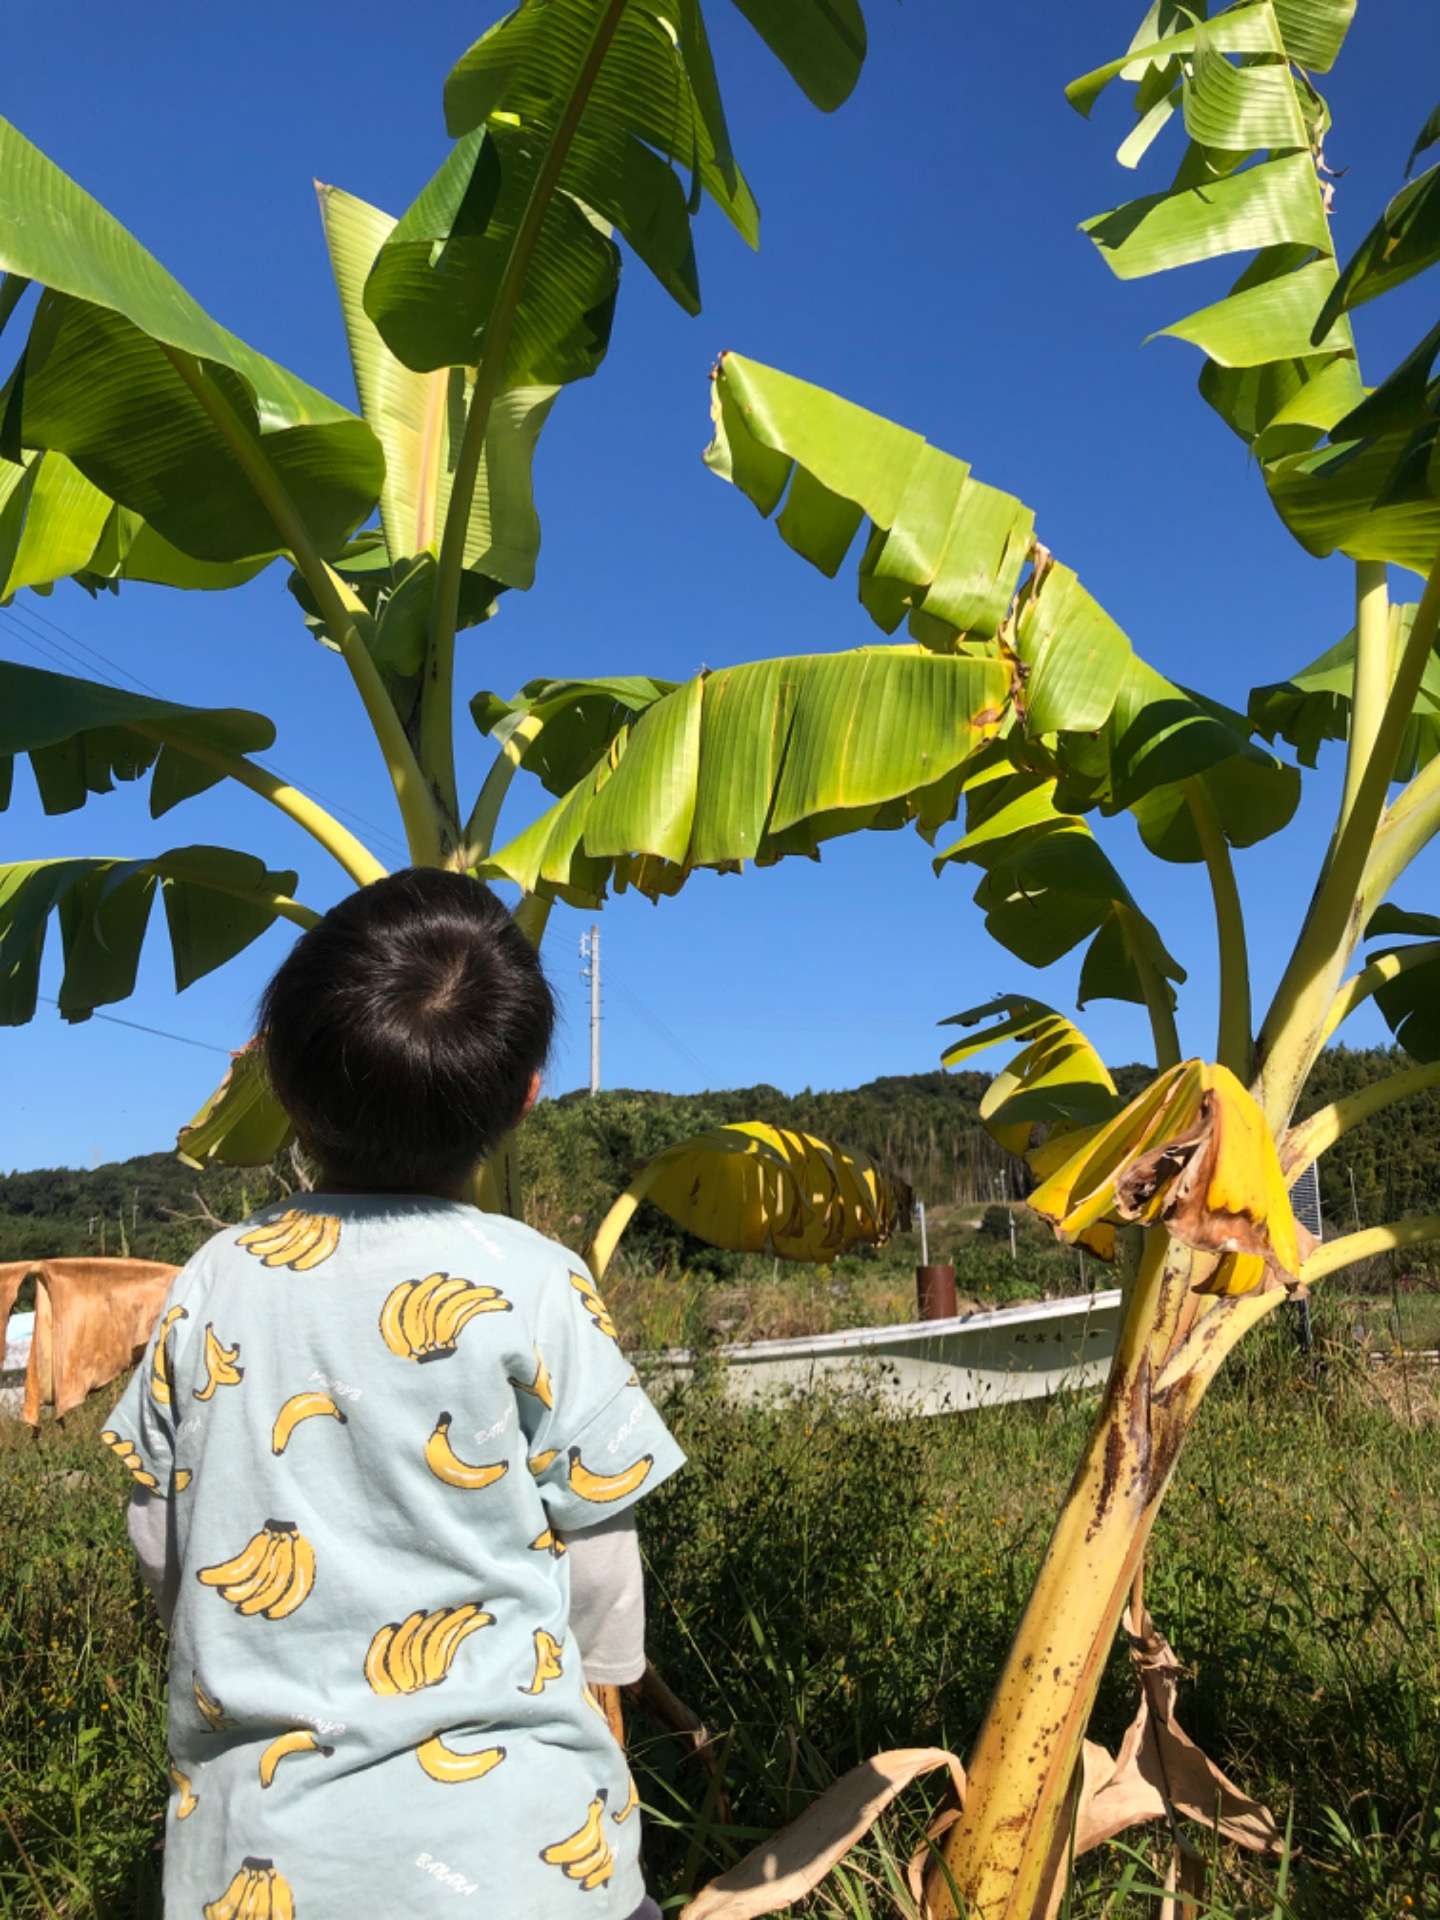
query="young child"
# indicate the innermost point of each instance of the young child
(387, 1448)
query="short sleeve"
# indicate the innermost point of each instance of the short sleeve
(595, 1441)
(141, 1431)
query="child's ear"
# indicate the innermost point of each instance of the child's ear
(533, 1095)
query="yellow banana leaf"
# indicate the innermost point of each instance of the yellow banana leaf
(754, 1188)
(1192, 1153)
(1057, 1079)
(242, 1124)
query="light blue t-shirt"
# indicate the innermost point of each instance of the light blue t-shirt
(373, 1419)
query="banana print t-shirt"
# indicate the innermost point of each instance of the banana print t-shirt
(374, 1419)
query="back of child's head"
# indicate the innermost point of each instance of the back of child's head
(403, 1032)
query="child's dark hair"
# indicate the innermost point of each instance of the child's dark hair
(402, 1033)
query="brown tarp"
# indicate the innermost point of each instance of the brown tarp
(92, 1320)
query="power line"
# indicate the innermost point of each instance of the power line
(648, 1014)
(158, 1033)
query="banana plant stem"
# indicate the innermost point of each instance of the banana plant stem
(1353, 1247)
(601, 1250)
(1370, 683)
(1359, 987)
(437, 693)
(1320, 1132)
(1154, 988)
(338, 608)
(1409, 826)
(352, 854)
(1233, 1041)
(1290, 1036)
(485, 814)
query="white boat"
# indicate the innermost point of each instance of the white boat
(1029, 1352)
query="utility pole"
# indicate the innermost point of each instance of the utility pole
(590, 970)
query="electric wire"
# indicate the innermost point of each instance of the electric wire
(159, 1033)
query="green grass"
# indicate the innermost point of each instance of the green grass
(824, 1582)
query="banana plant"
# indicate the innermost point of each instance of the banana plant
(142, 441)
(1055, 725)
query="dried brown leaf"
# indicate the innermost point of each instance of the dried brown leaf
(784, 1868)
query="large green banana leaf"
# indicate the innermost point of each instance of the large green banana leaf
(417, 418)
(759, 761)
(82, 737)
(583, 116)
(1279, 352)
(960, 558)
(1057, 1080)
(55, 524)
(1313, 705)
(216, 902)
(1411, 1001)
(98, 382)
(1048, 884)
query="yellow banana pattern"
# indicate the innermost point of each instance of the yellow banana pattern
(183, 1477)
(632, 1801)
(124, 1452)
(211, 1711)
(257, 1892)
(585, 1855)
(220, 1367)
(296, 1239)
(446, 1464)
(188, 1800)
(538, 1463)
(602, 1487)
(541, 1385)
(423, 1319)
(548, 1542)
(298, 1740)
(594, 1305)
(301, 1406)
(444, 1764)
(272, 1575)
(548, 1664)
(162, 1377)
(416, 1652)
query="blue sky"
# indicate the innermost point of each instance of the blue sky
(919, 254)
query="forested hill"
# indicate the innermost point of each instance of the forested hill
(578, 1153)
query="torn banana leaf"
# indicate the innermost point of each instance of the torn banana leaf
(1192, 1153)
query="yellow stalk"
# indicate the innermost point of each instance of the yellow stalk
(1370, 683)
(480, 827)
(352, 854)
(1004, 1850)
(1234, 1042)
(437, 693)
(1409, 826)
(1353, 1247)
(1320, 1132)
(1359, 987)
(601, 1250)
(338, 607)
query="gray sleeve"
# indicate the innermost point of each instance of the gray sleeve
(607, 1600)
(147, 1521)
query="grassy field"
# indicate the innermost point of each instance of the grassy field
(825, 1582)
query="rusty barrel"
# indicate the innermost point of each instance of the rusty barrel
(935, 1292)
